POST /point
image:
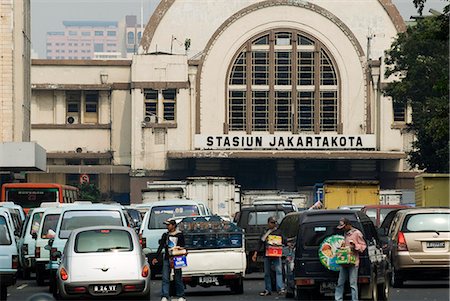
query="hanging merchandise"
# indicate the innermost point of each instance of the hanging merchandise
(327, 251)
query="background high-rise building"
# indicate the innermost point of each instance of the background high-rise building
(84, 40)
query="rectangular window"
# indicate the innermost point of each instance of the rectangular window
(260, 66)
(328, 111)
(98, 47)
(91, 107)
(169, 101)
(283, 68)
(283, 110)
(306, 111)
(86, 33)
(72, 33)
(237, 111)
(399, 112)
(100, 241)
(306, 68)
(151, 102)
(5, 238)
(98, 33)
(260, 110)
(112, 33)
(73, 99)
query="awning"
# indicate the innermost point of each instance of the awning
(337, 155)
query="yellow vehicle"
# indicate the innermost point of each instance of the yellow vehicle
(351, 193)
(432, 190)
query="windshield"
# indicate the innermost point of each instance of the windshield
(5, 239)
(31, 197)
(72, 220)
(314, 234)
(261, 217)
(49, 226)
(427, 222)
(106, 240)
(161, 213)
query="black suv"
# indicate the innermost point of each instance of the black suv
(253, 219)
(311, 278)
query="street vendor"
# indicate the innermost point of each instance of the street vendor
(354, 239)
(170, 240)
(270, 259)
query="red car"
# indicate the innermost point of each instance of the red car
(377, 213)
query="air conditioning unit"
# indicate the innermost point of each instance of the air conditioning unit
(150, 119)
(72, 119)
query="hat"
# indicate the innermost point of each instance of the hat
(170, 222)
(343, 222)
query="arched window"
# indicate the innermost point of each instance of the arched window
(130, 37)
(283, 81)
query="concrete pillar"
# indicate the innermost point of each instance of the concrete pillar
(59, 116)
(137, 117)
(104, 104)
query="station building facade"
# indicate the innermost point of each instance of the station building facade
(279, 94)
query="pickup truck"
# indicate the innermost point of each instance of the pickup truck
(216, 253)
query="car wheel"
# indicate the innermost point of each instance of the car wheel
(396, 278)
(303, 295)
(40, 277)
(3, 292)
(26, 274)
(237, 286)
(383, 289)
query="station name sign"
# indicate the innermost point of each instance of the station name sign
(285, 142)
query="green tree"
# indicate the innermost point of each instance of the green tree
(89, 192)
(420, 59)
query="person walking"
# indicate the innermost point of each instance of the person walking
(269, 259)
(354, 239)
(170, 240)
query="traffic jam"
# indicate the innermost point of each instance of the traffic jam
(81, 249)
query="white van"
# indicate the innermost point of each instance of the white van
(47, 230)
(9, 258)
(27, 241)
(152, 226)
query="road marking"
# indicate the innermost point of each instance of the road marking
(22, 286)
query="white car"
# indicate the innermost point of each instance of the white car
(103, 261)
(9, 258)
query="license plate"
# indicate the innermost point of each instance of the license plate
(105, 289)
(435, 244)
(208, 279)
(327, 286)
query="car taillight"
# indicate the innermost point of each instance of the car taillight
(142, 241)
(145, 271)
(37, 252)
(63, 274)
(25, 249)
(52, 254)
(401, 242)
(15, 261)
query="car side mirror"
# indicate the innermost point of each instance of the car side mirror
(34, 235)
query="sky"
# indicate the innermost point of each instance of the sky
(48, 15)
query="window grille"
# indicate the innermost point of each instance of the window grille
(169, 99)
(237, 110)
(151, 102)
(260, 109)
(283, 110)
(328, 111)
(306, 111)
(399, 112)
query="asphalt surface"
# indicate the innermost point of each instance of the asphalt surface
(412, 291)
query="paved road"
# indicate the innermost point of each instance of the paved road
(413, 291)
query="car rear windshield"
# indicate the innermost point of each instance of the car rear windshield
(427, 222)
(106, 240)
(313, 234)
(49, 226)
(72, 220)
(159, 214)
(261, 217)
(5, 239)
(36, 221)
